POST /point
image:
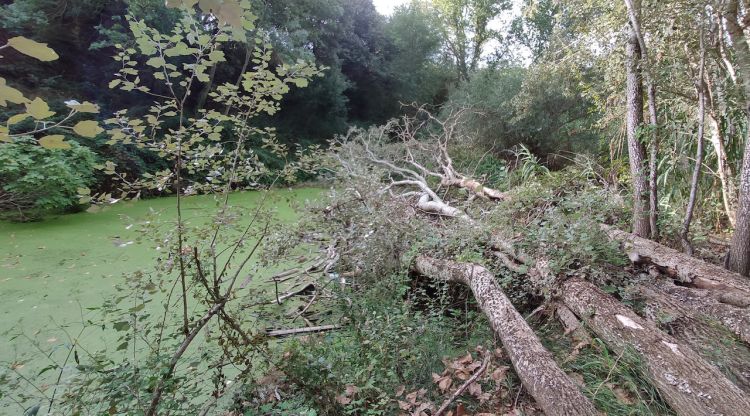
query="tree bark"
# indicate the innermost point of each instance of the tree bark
(644, 67)
(690, 385)
(739, 253)
(636, 151)
(700, 302)
(681, 267)
(552, 389)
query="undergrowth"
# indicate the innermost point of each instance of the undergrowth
(617, 384)
(389, 345)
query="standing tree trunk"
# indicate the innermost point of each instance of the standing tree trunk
(739, 253)
(634, 13)
(700, 88)
(552, 389)
(636, 151)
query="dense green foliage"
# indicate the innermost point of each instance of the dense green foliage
(35, 180)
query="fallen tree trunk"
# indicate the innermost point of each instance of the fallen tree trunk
(682, 267)
(699, 331)
(552, 389)
(703, 302)
(690, 385)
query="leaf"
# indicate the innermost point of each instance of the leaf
(87, 128)
(121, 326)
(301, 82)
(341, 399)
(10, 94)
(33, 49)
(156, 62)
(85, 107)
(475, 389)
(499, 373)
(17, 118)
(39, 109)
(209, 6)
(115, 82)
(445, 383)
(55, 141)
(216, 56)
(4, 137)
(231, 14)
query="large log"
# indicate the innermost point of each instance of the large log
(685, 268)
(690, 385)
(695, 328)
(735, 319)
(552, 389)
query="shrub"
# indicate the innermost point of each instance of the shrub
(35, 181)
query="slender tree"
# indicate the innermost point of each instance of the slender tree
(700, 88)
(739, 253)
(634, 14)
(634, 119)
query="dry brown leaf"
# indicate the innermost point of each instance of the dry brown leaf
(424, 406)
(475, 389)
(436, 377)
(499, 373)
(473, 366)
(421, 392)
(578, 379)
(466, 359)
(461, 375)
(400, 390)
(341, 399)
(498, 353)
(444, 384)
(403, 405)
(412, 397)
(460, 410)
(351, 390)
(622, 395)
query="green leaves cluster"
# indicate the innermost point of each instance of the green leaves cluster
(35, 180)
(37, 109)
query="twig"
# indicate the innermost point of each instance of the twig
(472, 379)
(611, 370)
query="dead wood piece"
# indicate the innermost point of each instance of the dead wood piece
(299, 331)
(689, 384)
(304, 289)
(552, 389)
(574, 328)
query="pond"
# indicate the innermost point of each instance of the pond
(57, 271)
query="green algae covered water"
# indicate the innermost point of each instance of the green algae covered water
(55, 273)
